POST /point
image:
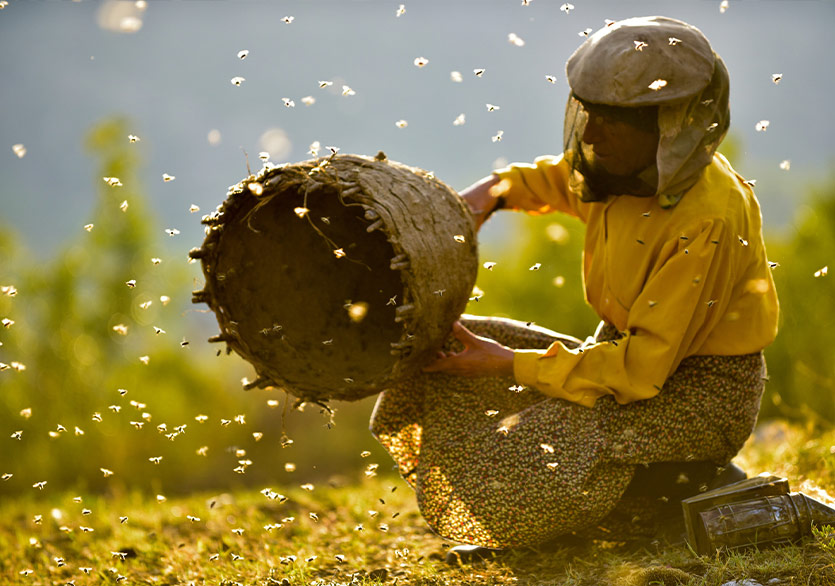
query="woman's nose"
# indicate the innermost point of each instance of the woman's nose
(593, 132)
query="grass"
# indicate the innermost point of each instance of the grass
(369, 532)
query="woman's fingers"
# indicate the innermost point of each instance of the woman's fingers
(463, 335)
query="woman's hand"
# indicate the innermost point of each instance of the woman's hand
(480, 357)
(481, 199)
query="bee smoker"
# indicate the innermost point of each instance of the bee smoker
(758, 511)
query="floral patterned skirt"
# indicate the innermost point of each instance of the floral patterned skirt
(497, 465)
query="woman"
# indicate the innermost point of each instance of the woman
(520, 435)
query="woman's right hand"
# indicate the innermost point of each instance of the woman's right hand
(481, 198)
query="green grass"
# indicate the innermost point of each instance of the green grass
(369, 532)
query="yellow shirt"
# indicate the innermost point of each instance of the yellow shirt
(687, 280)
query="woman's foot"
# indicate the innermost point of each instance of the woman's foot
(467, 554)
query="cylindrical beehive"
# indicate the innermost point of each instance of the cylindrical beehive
(336, 276)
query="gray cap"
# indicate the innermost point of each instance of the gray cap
(641, 62)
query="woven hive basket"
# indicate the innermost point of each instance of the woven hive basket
(336, 276)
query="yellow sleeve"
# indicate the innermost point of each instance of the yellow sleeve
(683, 298)
(539, 188)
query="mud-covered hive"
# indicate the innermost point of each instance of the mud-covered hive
(336, 276)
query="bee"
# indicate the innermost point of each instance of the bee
(515, 39)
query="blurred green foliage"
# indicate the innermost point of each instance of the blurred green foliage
(801, 362)
(99, 376)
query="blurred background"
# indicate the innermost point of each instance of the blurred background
(105, 385)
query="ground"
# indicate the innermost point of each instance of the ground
(370, 532)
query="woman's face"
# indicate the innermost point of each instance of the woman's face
(619, 147)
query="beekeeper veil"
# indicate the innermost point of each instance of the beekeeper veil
(657, 73)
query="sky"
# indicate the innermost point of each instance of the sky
(167, 67)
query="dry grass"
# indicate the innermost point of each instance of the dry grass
(366, 533)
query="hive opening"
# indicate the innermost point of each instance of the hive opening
(312, 286)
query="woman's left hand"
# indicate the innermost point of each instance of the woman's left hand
(480, 356)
